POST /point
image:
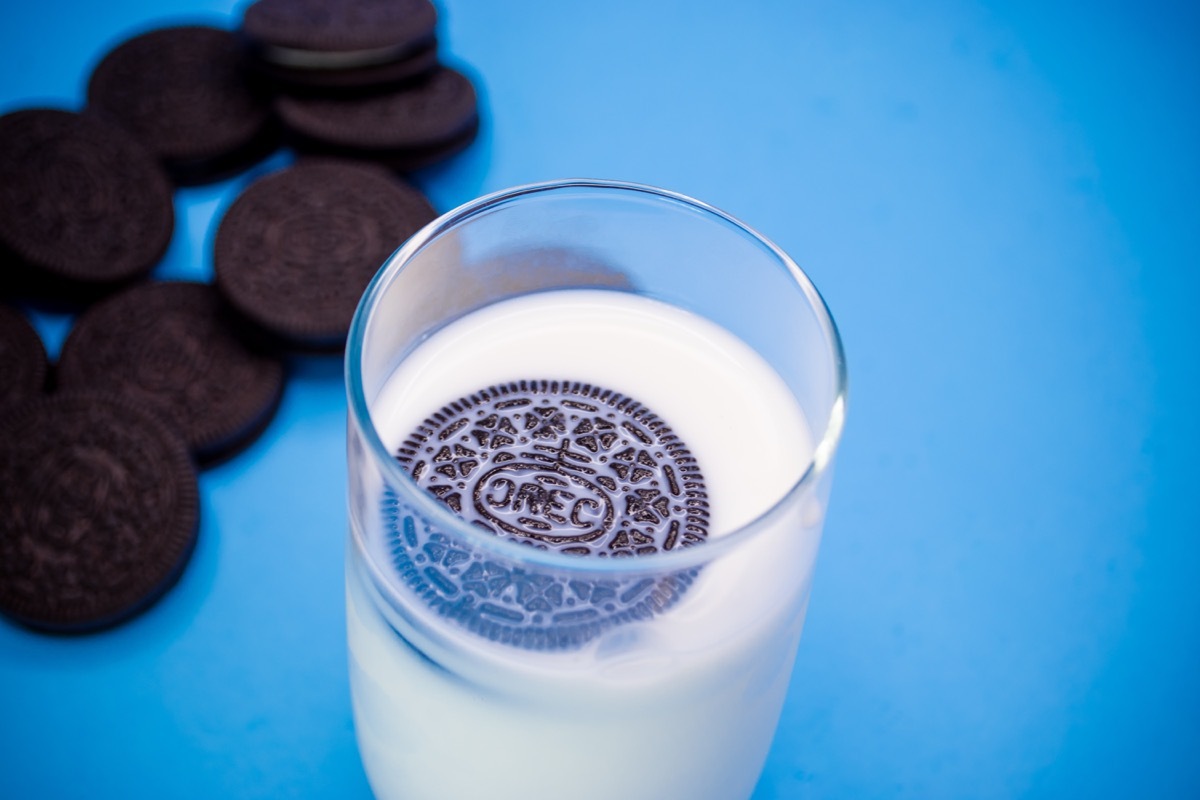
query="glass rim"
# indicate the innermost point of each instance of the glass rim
(680, 559)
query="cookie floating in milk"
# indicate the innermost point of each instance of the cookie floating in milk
(564, 466)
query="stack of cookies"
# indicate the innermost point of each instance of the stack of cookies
(361, 79)
(353, 78)
(99, 500)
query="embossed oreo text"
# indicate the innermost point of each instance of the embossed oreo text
(562, 465)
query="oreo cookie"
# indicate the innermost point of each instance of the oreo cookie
(23, 361)
(406, 129)
(182, 92)
(563, 466)
(351, 44)
(168, 346)
(98, 511)
(344, 81)
(296, 250)
(83, 207)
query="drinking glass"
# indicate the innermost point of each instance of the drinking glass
(613, 608)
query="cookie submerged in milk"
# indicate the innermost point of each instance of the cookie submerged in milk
(563, 466)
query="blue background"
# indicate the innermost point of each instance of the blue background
(1000, 204)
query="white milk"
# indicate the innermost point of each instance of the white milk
(679, 706)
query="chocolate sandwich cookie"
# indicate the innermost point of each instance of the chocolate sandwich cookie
(183, 93)
(296, 250)
(168, 347)
(299, 79)
(98, 511)
(408, 128)
(23, 361)
(340, 44)
(83, 206)
(563, 466)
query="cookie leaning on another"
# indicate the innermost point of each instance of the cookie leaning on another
(339, 46)
(406, 129)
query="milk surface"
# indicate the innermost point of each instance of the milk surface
(682, 705)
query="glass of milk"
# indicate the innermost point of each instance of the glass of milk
(591, 433)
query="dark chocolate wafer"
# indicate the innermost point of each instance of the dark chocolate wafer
(183, 93)
(168, 346)
(23, 361)
(556, 465)
(83, 206)
(98, 511)
(439, 112)
(296, 250)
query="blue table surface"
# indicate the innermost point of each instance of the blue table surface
(1000, 204)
